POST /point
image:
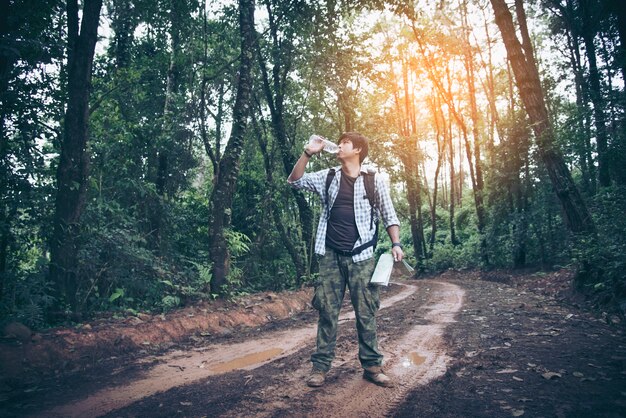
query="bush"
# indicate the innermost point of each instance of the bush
(601, 259)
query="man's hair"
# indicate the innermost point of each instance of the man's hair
(358, 141)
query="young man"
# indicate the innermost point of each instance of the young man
(345, 244)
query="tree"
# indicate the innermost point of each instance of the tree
(588, 33)
(275, 87)
(226, 177)
(526, 74)
(73, 169)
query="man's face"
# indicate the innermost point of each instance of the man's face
(347, 150)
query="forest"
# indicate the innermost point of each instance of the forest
(145, 145)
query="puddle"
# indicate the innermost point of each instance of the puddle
(416, 359)
(413, 359)
(245, 361)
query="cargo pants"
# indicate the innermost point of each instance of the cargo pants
(336, 273)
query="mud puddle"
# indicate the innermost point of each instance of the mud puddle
(184, 367)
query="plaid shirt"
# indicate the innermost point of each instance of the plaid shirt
(316, 182)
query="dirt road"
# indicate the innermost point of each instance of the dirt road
(457, 346)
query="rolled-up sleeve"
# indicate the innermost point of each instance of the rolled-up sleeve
(387, 211)
(313, 182)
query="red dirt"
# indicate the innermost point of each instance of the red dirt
(72, 348)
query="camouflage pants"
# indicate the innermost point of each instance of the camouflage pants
(337, 272)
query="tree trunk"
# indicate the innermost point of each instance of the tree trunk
(616, 7)
(169, 131)
(588, 35)
(475, 166)
(295, 251)
(6, 63)
(441, 144)
(575, 212)
(582, 95)
(490, 90)
(448, 140)
(7, 213)
(415, 203)
(583, 146)
(224, 189)
(518, 148)
(73, 170)
(275, 100)
(407, 150)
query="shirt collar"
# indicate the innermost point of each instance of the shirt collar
(363, 170)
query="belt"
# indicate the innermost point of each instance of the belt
(344, 253)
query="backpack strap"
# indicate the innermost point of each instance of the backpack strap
(329, 179)
(369, 180)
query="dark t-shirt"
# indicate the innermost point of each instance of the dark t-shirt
(342, 232)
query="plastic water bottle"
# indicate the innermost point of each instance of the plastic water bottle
(328, 145)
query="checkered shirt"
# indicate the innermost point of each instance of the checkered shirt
(316, 182)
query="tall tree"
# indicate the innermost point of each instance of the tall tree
(588, 32)
(524, 66)
(476, 170)
(171, 133)
(73, 169)
(275, 87)
(226, 177)
(440, 128)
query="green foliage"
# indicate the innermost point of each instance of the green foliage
(28, 296)
(601, 260)
(448, 256)
(238, 243)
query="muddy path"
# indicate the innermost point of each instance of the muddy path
(186, 367)
(456, 346)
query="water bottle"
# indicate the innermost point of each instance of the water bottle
(328, 145)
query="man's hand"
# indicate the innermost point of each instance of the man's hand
(397, 253)
(314, 147)
(310, 149)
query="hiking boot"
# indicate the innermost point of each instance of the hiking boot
(376, 375)
(316, 378)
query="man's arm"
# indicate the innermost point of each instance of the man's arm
(309, 151)
(390, 219)
(394, 235)
(298, 169)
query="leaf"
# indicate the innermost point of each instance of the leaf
(119, 292)
(517, 412)
(551, 375)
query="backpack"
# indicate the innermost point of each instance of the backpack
(369, 181)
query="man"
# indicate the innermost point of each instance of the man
(345, 243)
